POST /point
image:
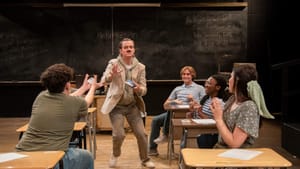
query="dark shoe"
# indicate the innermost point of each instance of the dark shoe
(153, 152)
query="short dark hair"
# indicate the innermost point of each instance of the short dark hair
(55, 77)
(124, 39)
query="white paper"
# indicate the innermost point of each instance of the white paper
(10, 156)
(183, 106)
(185, 121)
(204, 121)
(240, 154)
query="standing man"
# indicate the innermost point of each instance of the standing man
(125, 100)
(54, 113)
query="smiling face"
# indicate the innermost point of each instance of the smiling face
(211, 87)
(186, 77)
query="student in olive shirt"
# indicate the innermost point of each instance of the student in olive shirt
(54, 113)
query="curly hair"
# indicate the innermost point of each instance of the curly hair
(55, 77)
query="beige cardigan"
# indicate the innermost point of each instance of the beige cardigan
(117, 85)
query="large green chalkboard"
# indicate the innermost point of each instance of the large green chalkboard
(31, 39)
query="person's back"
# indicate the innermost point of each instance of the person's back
(53, 116)
(52, 122)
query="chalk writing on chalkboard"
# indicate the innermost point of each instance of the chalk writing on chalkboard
(166, 39)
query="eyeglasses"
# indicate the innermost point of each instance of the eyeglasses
(208, 83)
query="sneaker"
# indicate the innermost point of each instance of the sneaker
(113, 161)
(148, 164)
(153, 152)
(161, 139)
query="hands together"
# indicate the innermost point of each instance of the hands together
(92, 83)
(217, 109)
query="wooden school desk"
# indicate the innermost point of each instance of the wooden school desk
(191, 130)
(79, 129)
(208, 158)
(34, 160)
(176, 111)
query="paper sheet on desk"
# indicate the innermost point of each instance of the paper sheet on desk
(10, 156)
(240, 154)
(182, 106)
(204, 121)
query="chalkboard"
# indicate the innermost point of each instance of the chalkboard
(166, 39)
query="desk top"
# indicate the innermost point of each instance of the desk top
(177, 107)
(194, 157)
(92, 109)
(34, 159)
(188, 123)
(78, 126)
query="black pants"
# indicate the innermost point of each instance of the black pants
(207, 140)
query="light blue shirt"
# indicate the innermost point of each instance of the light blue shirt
(181, 92)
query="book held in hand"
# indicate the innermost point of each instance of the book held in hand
(130, 83)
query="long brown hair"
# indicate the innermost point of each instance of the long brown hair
(243, 74)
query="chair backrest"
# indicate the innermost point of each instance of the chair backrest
(243, 63)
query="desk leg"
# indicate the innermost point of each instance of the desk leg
(20, 135)
(182, 145)
(171, 140)
(94, 135)
(61, 164)
(84, 138)
(79, 139)
(90, 132)
(91, 121)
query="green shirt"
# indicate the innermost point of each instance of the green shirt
(52, 121)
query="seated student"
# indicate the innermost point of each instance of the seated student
(180, 95)
(238, 123)
(54, 113)
(215, 86)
